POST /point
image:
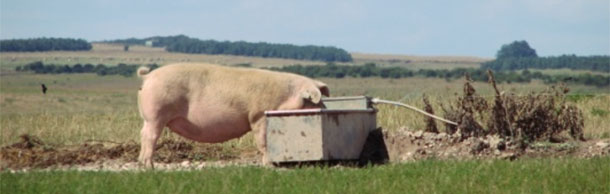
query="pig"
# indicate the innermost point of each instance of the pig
(212, 103)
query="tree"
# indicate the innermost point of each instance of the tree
(44, 44)
(516, 49)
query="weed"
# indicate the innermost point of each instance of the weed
(499, 122)
(468, 106)
(430, 123)
(534, 117)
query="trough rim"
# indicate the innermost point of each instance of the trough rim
(315, 111)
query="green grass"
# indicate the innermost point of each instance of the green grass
(431, 176)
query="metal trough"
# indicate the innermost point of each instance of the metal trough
(338, 132)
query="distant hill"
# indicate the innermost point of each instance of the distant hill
(185, 44)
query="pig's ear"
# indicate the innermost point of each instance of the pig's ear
(323, 88)
(312, 94)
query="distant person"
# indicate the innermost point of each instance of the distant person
(44, 89)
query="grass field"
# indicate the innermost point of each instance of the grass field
(429, 176)
(81, 107)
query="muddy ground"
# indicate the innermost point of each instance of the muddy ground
(402, 145)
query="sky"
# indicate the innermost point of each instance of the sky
(431, 28)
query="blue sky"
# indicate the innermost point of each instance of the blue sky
(462, 28)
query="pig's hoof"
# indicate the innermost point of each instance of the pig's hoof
(266, 162)
(146, 164)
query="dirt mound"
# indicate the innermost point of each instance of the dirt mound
(406, 145)
(31, 152)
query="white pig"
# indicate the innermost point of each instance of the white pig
(212, 103)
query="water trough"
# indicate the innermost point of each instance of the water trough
(337, 132)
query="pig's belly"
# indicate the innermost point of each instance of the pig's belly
(211, 129)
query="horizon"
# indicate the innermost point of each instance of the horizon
(470, 28)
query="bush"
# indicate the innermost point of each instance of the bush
(537, 117)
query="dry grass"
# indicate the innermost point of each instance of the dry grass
(79, 107)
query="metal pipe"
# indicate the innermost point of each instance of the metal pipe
(377, 101)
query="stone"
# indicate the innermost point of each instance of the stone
(185, 163)
(478, 147)
(496, 142)
(441, 136)
(602, 144)
(508, 156)
(418, 134)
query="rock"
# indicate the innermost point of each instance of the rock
(185, 163)
(428, 136)
(508, 156)
(418, 134)
(201, 165)
(478, 146)
(602, 144)
(496, 142)
(441, 136)
(497, 152)
(407, 156)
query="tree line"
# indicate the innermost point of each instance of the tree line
(44, 44)
(518, 55)
(99, 69)
(185, 44)
(157, 41)
(333, 70)
(573, 62)
(371, 70)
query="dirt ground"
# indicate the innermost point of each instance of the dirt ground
(402, 145)
(406, 145)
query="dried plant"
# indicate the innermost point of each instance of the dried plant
(534, 117)
(430, 123)
(451, 114)
(468, 105)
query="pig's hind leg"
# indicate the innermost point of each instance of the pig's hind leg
(151, 131)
